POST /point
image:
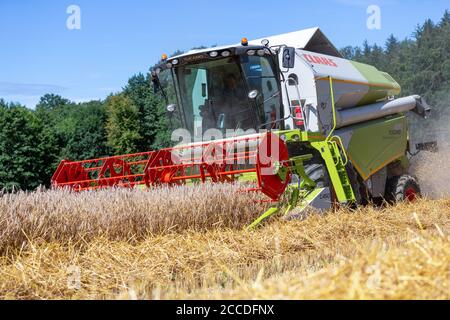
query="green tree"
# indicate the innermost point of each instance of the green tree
(79, 129)
(123, 124)
(153, 127)
(87, 138)
(50, 102)
(26, 147)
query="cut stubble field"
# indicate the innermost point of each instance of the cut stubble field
(189, 243)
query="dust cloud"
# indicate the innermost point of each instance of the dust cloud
(433, 169)
(433, 172)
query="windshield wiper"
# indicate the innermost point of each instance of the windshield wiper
(158, 87)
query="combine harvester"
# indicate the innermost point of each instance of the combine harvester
(287, 116)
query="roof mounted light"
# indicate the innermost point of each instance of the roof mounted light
(251, 52)
(244, 42)
(175, 61)
(164, 57)
(213, 54)
(226, 53)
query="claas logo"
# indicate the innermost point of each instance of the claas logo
(320, 60)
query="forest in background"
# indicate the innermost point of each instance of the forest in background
(33, 142)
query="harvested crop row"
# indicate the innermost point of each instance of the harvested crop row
(418, 269)
(225, 262)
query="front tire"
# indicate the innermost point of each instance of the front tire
(319, 174)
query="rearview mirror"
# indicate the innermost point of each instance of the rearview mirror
(288, 57)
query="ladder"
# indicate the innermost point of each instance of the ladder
(336, 167)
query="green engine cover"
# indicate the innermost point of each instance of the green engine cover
(373, 145)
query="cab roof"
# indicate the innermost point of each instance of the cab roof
(312, 39)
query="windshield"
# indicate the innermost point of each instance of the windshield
(261, 77)
(214, 95)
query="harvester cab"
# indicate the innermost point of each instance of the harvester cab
(223, 89)
(287, 116)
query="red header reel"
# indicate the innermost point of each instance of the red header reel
(259, 156)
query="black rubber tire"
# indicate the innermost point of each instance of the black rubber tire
(319, 174)
(402, 188)
(358, 187)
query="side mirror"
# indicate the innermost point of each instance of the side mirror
(204, 90)
(288, 57)
(171, 108)
(253, 94)
(155, 82)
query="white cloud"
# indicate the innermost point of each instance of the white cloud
(27, 89)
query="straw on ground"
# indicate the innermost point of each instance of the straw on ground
(116, 247)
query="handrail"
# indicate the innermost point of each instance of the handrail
(306, 121)
(330, 135)
(334, 110)
(339, 140)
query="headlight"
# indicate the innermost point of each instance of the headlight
(175, 61)
(251, 52)
(226, 54)
(213, 54)
(171, 108)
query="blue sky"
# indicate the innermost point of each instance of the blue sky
(117, 39)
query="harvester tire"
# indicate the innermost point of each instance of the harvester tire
(359, 190)
(403, 188)
(318, 173)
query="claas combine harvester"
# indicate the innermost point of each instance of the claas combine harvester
(286, 116)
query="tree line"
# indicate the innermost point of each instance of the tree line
(33, 142)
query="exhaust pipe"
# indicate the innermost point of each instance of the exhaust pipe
(378, 110)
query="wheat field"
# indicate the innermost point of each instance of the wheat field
(189, 243)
